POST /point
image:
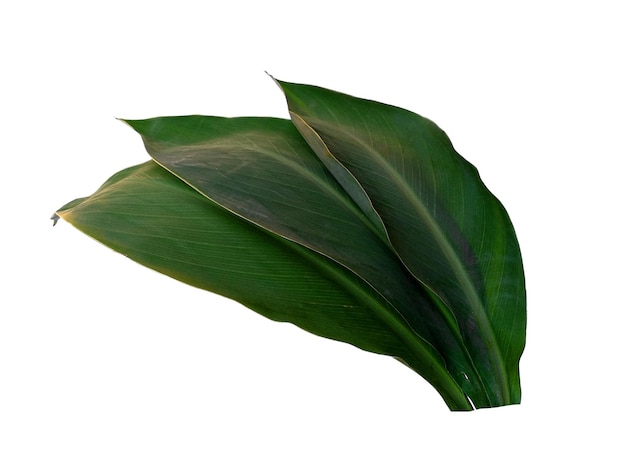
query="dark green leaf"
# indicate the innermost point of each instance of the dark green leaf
(449, 230)
(356, 221)
(159, 221)
(262, 170)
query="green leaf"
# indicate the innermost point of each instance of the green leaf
(156, 219)
(448, 229)
(262, 170)
(356, 221)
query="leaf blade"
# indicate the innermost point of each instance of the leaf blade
(432, 201)
(157, 220)
(262, 170)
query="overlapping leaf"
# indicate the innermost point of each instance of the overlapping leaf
(154, 218)
(356, 221)
(262, 169)
(449, 230)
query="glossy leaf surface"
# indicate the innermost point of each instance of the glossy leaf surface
(449, 230)
(356, 220)
(262, 170)
(154, 218)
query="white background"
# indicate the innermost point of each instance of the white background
(105, 364)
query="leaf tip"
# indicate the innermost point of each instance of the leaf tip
(125, 121)
(276, 81)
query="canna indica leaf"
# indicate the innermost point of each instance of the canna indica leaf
(262, 170)
(448, 229)
(154, 218)
(355, 220)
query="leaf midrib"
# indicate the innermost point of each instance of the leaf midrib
(448, 251)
